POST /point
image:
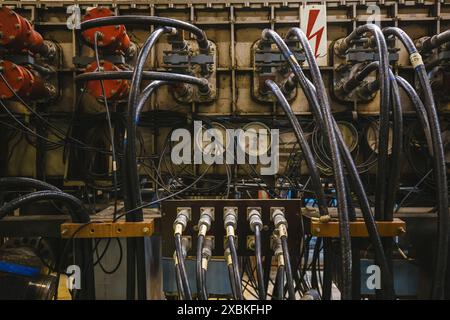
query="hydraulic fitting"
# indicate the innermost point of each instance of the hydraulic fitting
(279, 220)
(185, 247)
(277, 249)
(227, 255)
(182, 219)
(230, 220)
(207, 251)
(206, 218)
(254, 218)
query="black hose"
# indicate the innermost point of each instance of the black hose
(232, 282)
(440, 170)
(385, 90)
(23, 182)
(146, 75)
(279, 283)
(235, 265)
(309, 158)
(182, 266)
(349, 163)
(204, 289)
(200, 279)
(287, 263)
(420, 109)
(148, 21)
(338, 169)
(180, 288)
(259, 264)
(435, 41)
(132, 192)
(397, 144)
(312, 169)
(359, 76)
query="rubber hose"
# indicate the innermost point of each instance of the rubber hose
(439, 164)
(148, 21)
(357, 184)
(182, 266)
(335, 153)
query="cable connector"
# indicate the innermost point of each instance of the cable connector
(185, 247)
(182, 219)
(279, 220)
(254, 218)
(227, 255)
(207, 251)
(206, 218)
(277, 249)
(230, 216)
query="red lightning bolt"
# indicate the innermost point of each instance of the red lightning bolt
(313, 14)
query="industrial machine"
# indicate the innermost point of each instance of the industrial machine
(188, 150)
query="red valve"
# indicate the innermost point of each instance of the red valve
(114, 89)
(111, 38)
(17, 34)
(24, 82)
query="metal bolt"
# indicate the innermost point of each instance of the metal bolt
(146, 230)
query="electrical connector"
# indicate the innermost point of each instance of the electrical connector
(230, 216)
(182, 219)
(254, 218)
(227, 255)
(279, 220)
(208, 246)
(277, 249)
(206, 218)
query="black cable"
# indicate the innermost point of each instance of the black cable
(180, 288)
(110, 127)
(356, 181)
(435, 41)
(440, 170)
(288, 268)
(148, 21)
(146, 75)
(328, 121)
(204, 288)
(199, 269)
(301, 139)
(359, 76)
(396, 153)
(235, 265)
(279, 284)
(259, 264)
(182, 266)
(419, 107)
(24, 182)
(232, 282)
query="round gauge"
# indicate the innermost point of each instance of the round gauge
(349, 133)
(373, 135)
(206, 139)
(255, 132)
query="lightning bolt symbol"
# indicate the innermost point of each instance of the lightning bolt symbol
(313, 15)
